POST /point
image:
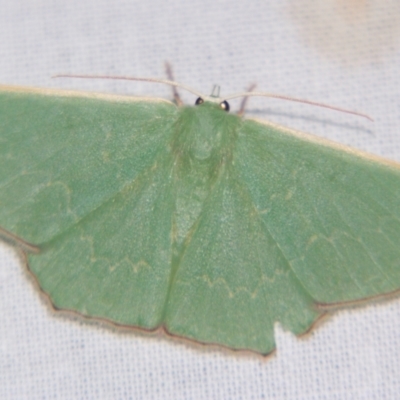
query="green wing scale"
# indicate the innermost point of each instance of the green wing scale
(211, 226)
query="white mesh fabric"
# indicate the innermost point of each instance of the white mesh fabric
(342, 53)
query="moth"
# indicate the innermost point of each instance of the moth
(188, 218)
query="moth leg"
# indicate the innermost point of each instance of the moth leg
(245, 100)
(177, 99)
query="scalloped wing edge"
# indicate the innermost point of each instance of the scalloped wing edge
(326, 310)
(160, 330)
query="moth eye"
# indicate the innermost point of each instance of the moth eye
(225, 106)
(199, 101)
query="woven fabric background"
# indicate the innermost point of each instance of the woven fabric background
(345, 53)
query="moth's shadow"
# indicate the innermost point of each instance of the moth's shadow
(266, 113)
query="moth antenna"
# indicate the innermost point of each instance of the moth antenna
(233, 96)
(170, 76)
(304, 101)
(245, 100)
(132, 78)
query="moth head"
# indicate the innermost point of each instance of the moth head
(224, 105)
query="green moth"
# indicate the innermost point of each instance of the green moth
(191, 219)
